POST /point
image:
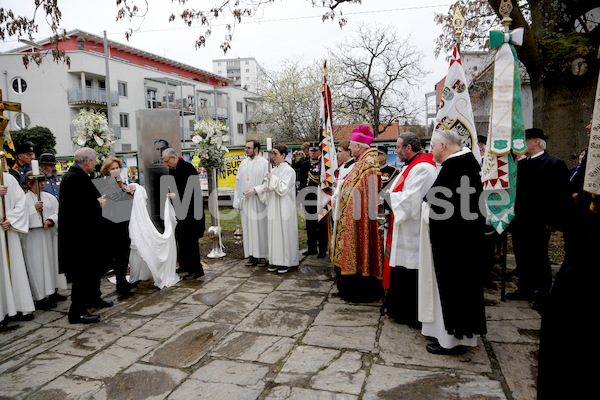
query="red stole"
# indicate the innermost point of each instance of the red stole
(423, 157)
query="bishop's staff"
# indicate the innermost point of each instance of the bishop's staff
(2, 170)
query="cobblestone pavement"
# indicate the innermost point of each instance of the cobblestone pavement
(245, 333)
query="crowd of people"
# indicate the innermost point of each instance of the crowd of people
(414, 236)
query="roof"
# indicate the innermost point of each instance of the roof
(342, 132)
(132, 50)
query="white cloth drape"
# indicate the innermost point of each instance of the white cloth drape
(152, 254)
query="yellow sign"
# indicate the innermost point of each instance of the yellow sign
(233, 159)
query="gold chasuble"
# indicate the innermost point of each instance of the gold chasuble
(357, 243)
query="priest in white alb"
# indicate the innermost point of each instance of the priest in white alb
(39, 246)
(279, 186)
(15, 294)
(246, 199)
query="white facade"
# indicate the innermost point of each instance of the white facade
(245, 72)
(479, 71)
(52, 94)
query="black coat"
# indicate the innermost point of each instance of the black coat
(457, 242)
(188, 223)
(80, 217)
(542, 192)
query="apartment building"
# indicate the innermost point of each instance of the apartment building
(245, 72)
(53, 93)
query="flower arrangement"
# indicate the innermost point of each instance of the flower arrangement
(92, 130)
(210, 139)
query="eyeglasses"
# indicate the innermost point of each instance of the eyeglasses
(249, 148)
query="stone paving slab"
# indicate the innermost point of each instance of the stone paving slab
(386, 382)
(275, 322)
(115, 358)
(166, 324)
(100, 335)
(295, 393)
(246, 346)
(234, 308)
(66, 388)
(189, 345)
(40, 370)
(401, 344)
(303, 362)
(142, 382)
(346, 373)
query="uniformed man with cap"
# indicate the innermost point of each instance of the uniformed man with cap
(23, 165)
(388, 173)
(48, 168)
(316, 231)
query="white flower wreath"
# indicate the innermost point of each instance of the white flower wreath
(210, 139)
(92, 130)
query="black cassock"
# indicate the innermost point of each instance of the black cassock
(457, 241)
(189, 229)
(79, 239)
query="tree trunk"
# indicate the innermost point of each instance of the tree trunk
(563, 108)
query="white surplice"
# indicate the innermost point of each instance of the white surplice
(406, 206)
(41, 247)
(430, 306)
(253, 211)
(282, 216)
(152, 254)
(16, 293)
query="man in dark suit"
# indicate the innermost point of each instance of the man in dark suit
(80, 210)
(190, 227)
(540, 208)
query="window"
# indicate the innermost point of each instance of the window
(247, 70)
(19, 85)
(102, 84)
(239, 107)
(126, 147)
(240, 128)
(122, 88)
(124, 120)
(21, 120)
(218, 64)
(151, 98)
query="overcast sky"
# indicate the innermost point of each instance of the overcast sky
(286, 29)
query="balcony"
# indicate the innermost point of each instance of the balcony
(214, 112)
(116, 131)
(97, 96)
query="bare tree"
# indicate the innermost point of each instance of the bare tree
(233, 11)
(378, 73)
(290, 106)
(559, 50)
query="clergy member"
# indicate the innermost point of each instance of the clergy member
(250, 175)
(280, 187)
(80, 209)
(400, 273)
(357, 253)
(15, 293)
(40, 247)
(189, 229)
(345, 162)
(456, 232)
